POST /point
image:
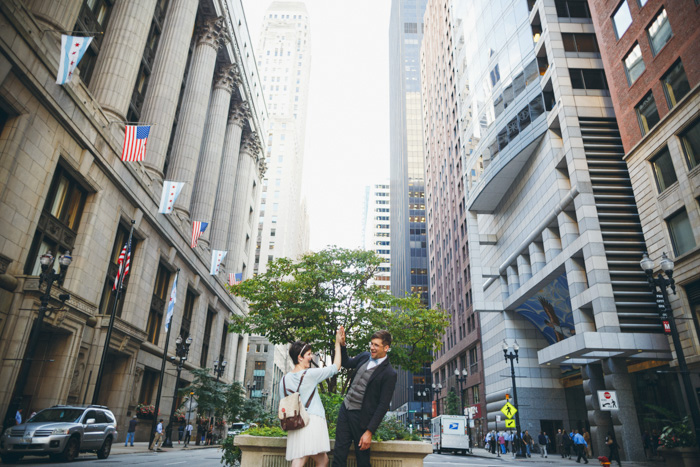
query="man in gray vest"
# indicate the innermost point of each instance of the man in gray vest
(367, 401)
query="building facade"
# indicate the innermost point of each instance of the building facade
(409, 249)
(377, 232)
(173, 65)
(553, 230)
(652, 62)
(442, 64)
(283, 57)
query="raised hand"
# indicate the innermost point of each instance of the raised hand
(341, 330)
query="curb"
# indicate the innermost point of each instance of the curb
(147, 451)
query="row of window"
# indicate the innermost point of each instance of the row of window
(675, 85)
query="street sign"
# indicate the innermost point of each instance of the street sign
(607, 400)
(509, 410)
(667, 327)
(660, 302)
(510, 423)
(498, 418)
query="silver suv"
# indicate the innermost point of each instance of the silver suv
(61, 432)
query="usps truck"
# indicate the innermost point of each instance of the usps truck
(450, 434)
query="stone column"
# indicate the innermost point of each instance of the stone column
(241, 360)
(193, 112)
(232, 357)
(524, 269)
(227, 175)
(56, 14)
(202, 207)
(164, 85)
(600, 421)
(537, 259)
(120, 56)
(242, 203)
(513, 279)
(625, 421)
(551, 242)
(568, 228)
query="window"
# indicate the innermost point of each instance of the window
(647, 113)
(690, 140)
(681, 232)
(92, 20)
(495, 75)
(475, 394)
(187, 315)
(580, 42)
(642, 3)
(224, 338)
(59, 220)
(659, 32)
(149, 384)
(158, 303)
(588, 78)
(664, 172)
(107, 301)
(634, 64)
(622, 19)
(206, 337)
(676, 84)
(572, 9)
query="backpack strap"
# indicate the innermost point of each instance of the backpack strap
(284, 387)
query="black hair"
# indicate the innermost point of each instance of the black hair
(384, 335)
(299, 348)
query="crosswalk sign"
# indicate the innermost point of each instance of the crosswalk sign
(510, 423)
(509, 410)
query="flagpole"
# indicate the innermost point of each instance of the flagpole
(100, 371)
(162, 375)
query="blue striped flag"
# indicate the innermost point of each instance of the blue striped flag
(171, 303)
(72, 50)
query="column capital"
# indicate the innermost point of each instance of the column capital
(212, 32)
(240, 111)
(262, 167)
(250, 144)
(227, 78)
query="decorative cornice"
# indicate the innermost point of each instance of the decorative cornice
(250, 144)
(262, 167)
(212, 32)
(240, 112)
(227, 78)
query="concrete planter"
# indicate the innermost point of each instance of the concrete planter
(261, 451)
(681, 457)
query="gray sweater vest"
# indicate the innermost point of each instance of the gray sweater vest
(353, 401)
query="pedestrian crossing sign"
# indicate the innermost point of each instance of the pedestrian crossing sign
(510, 423)
(509, 410)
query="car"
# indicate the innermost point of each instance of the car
(237, 428)
(61, 432)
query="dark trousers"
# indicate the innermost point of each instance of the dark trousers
(581, 451)
(348, 432)
(187, 438)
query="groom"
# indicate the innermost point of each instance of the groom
(367, 401)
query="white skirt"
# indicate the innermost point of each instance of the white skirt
(310, 440)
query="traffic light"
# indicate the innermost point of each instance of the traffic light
(507, 397)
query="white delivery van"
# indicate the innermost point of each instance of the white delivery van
(449, 433)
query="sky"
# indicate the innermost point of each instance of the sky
(347, 129)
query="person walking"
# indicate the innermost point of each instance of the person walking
(188, 433)
(542, 440)
(158, 438)
(559, 440)
(502, 442)
(18, 417)
(614, 454)
(311, 441)
(527, 439)
(131, 430)
(180, 433)
(580, 445)
(589, 445)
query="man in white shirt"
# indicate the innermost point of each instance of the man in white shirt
(158, 439)
(188, 433)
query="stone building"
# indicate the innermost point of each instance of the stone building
(652, 62)
(187, 69)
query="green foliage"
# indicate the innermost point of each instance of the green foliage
(392, 428)
(235, 397)
(232, 454)
(331, 404)
(270, 431)
(211, 396)
(252, 411)
(453, 403)
(677, 432)
(310, 298)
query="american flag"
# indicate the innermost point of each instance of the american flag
(126, 252)
(198, 228)
(235, 278)
(135, 138)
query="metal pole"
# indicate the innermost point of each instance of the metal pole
(515, 401)
(100, 370)
(169, 429)
(160, 385)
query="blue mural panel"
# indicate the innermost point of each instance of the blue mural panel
(550, 311)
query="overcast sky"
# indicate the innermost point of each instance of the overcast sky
(347, 133)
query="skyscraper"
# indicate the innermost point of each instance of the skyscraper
(409, 252)
(376, 231)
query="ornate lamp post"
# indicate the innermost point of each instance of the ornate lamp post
(47, 276)
(461, 380)
(251, 388)
(219, 369)
(265, 393)
(436, 391)
(661, 283)
(514, 356)
(182, 349)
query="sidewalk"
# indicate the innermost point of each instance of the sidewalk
(141, 447)
(557, 459)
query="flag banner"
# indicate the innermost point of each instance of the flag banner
(234, 279)
(198, 228)
(122, 265)
(171, 190)
(217, 256)
(72, 50)
(135, 138)
(171, 303)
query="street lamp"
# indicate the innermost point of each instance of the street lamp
(436, 391)
(47, 276)
(514, 356)
(251, 388)
(460, 381)
(182, 349)
(219, 369)
(265, 393)
(666, 314)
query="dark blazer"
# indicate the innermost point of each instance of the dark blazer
(380, 389)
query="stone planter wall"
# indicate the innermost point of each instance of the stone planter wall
(261, 451)
(681, 457)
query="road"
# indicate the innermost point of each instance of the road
(199, 457)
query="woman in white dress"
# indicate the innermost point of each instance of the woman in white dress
(312, 440)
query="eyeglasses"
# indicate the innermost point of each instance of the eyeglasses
(373, 345)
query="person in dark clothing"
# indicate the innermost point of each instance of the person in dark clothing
(131, 430)
(543, 440)
(614, 454)
(180, 432)
(580, 445)
(567, 443)
(200, 433)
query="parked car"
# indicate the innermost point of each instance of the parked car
(237, 428)
(61, 432)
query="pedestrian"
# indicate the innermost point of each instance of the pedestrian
(158, 438)
(580, 445)
(131, 430)
(527, 439)
(614, 454)
(188, 433)
(654, 443)
(502, 442)
(18, 417)
(494, 441)
(31, 414)
(542, 440)
(589, 445)
(646, 442)
(559, 439)
(200, 433)
(210, 433)
(180, 432)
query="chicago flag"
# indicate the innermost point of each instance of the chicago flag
(72, 50)
(171, 190)
(217, 256)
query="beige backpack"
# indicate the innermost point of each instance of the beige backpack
(292, 413)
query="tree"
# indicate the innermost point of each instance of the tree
(452, 407)
(212, 397)
(310, 298)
